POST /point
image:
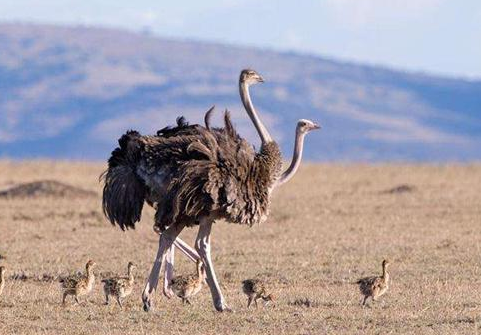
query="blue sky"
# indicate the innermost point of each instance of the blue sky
(436, 36)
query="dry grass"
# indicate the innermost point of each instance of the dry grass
(331, 225)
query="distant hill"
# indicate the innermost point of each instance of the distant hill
(69, 92)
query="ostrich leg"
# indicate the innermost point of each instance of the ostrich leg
(165, 241)
(202, 244)
(187, 250)
(169, 271)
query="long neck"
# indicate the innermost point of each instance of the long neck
(200, 274)
(90, 273)
(296, 159)
(385, 274)
(246, 100)
(130, 273)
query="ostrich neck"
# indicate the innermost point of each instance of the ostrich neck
(90, 275)
(246, 100)
(296, 159)
(200, 274)
(131, 275)
(385, 274)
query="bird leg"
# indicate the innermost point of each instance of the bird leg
(190, 252)
(169, 272)
(202, 244)
(165, 241)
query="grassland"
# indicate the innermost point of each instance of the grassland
(329, 226)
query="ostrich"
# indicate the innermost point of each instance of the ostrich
(303, 127)
(79, 285)
(375, 286)
(187, 286)
(194, 175)
(256, 289)
(120, 287)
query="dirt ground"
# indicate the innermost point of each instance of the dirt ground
(331, 225)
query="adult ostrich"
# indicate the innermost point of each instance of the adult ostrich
(302, 129)
(192, 175)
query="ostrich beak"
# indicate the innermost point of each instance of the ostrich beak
(260, 79)
(316, 126)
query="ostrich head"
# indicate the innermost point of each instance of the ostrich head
(2, 271)
(304, 126)
(90, 265)
(250, 77)
(131, 266)
(385, 263)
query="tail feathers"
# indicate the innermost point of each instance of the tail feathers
(128, 152)
(124, 192)
(208, 117)
(229, 127)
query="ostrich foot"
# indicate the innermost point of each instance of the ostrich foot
(147, 304)
(168, 293)
(147, 297)
(221, 306)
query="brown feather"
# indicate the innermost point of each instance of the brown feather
(191, 171)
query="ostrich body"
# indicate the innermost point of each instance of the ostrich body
(188, 286)
(78, 286)
(119, 287)
(375, 286)
(192, 175)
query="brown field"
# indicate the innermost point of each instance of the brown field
(329, 226)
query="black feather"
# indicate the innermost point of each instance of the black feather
(124, 192)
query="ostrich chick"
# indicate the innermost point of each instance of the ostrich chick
(2, 279)
(79, 285)
(187, 286)
(255, 289)
(119, 287)
(375, 286)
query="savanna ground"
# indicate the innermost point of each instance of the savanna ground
(329, 226)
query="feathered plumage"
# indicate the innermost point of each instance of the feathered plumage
(119, 287)
(124, 193)
(79, 285)
(375, 286)
(256, 289)
(190, 171)
(187, 286)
